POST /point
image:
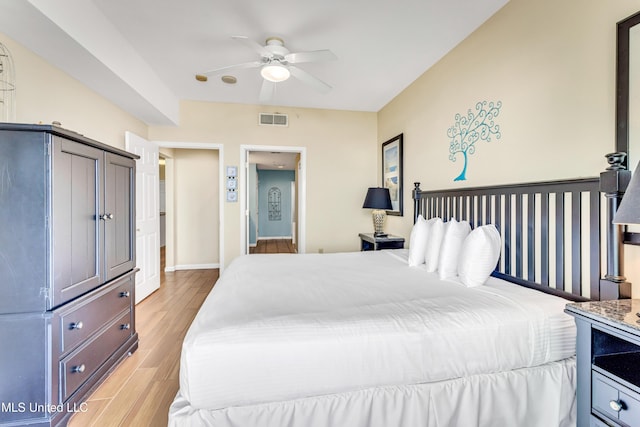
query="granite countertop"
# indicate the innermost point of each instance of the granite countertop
(621, 312)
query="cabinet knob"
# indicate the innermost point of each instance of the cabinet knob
(78, 369)
(124, 294)
(105, 217)
(125, 326)
(616, 405)
(76, 325)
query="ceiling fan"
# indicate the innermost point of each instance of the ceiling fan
(276, 65)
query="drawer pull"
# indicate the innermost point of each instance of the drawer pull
(125, 326)
(124, 294)
(76, 325)
(616, 405)
(78, 369)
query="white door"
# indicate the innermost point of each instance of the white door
(147, 214)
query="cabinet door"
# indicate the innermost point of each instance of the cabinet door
(119, 214)
(76, 235)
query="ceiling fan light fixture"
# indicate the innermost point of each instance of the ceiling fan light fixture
(275, 72)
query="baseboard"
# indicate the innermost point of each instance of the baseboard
(275, 238)
(191, 267)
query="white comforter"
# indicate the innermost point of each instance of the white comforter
(281, 327)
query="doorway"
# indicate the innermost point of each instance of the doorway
(148, 211)
(170, 238)
(272, 188)
(273, 199)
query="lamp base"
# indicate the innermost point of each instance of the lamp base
(379, 217)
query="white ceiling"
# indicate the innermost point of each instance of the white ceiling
(268, 160)
(143, 54)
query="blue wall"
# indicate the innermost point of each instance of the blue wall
(281, 180)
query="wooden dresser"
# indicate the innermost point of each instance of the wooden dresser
(67, 267)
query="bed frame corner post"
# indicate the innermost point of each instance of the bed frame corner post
(416, 201)
(613, 183)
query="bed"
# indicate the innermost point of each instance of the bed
(365, 339)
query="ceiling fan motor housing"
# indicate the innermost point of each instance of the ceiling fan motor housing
(275, 45)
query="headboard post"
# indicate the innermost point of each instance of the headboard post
(416, 201)
(613, 183)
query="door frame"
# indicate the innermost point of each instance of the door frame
(244, 192)
(221, 183)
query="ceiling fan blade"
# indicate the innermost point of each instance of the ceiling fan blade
(253, 64)
(307, 78)
(266, 91)
(253, 45)
(313, 56)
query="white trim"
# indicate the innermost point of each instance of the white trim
(221, 186)
(244, 193)
(191, 267)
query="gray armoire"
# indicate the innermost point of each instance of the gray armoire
(67, 267)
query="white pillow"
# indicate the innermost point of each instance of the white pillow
(479, 255)
(418, 242)
(454, 236)
(434, 241)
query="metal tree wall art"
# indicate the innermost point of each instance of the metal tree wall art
(476, 126)
(7, 87)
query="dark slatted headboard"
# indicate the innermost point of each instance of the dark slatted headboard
(552, 232)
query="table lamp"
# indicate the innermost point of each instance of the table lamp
(379, 200)
(629, 210)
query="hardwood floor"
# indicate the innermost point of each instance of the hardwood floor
(275, 246)
(140, 390)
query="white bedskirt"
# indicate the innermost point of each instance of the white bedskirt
(540, 396)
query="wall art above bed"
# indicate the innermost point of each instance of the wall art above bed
(476, 126)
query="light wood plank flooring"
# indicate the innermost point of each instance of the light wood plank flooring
(141, 389)
(274, 246)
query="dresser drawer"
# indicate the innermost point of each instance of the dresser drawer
(614, 400)
(80, 319)
(78, 366)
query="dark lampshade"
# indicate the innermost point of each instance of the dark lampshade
(629, 210)
(377, 198)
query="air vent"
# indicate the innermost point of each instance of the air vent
(267, 119)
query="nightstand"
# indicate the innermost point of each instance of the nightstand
(608, 362)
(369, 242)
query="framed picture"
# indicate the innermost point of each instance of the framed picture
(392, 172)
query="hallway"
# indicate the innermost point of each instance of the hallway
(273, 246)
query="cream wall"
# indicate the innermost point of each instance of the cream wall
(341, 163)
(195, 208)
(552, 65)
(45, 94)
(341, 146)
